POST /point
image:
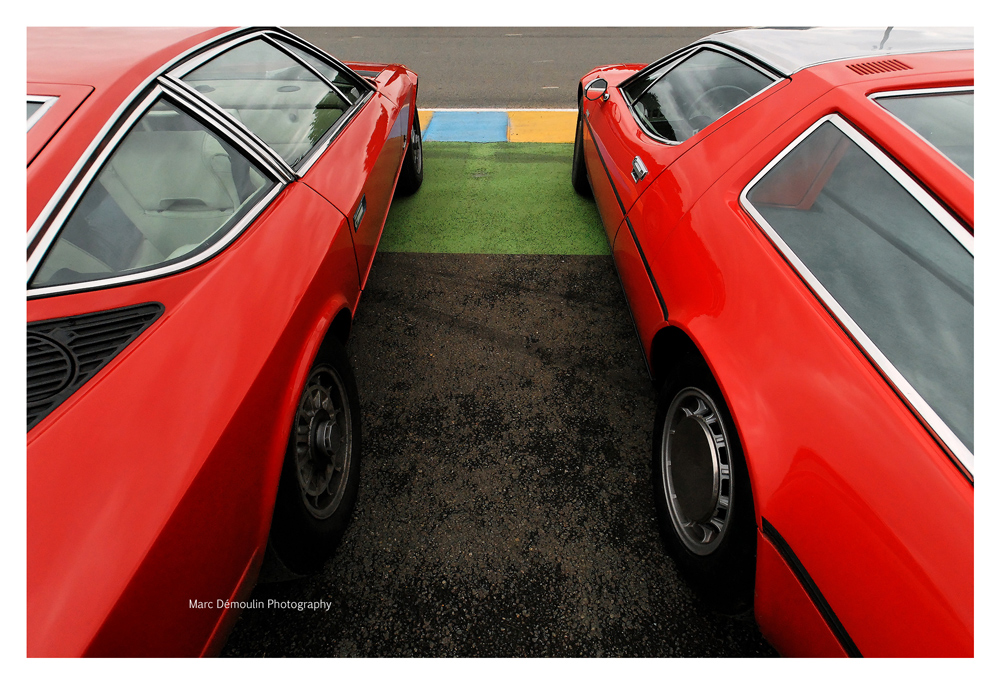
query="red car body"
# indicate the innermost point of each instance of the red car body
(153, 484)
(863, 511)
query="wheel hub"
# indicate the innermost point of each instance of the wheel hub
(696, 477)
(322, 443)
(696, 471)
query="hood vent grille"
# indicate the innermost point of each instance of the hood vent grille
(64, 353)
(881, 66)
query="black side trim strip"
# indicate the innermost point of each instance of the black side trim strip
(815, 594)
(649, 272)
(638, 246)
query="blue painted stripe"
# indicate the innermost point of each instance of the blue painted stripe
(469, 126)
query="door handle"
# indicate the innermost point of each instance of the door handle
(638, 170)
(359, 213)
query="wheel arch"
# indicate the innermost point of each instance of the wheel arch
(332, 323)
(671, 345)
(668, 348)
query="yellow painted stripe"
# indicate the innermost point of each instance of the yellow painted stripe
(541, 127)
(425, 118)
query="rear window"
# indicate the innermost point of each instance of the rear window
(901, 275)
(345, 85)
(943, 119)
(284, 103)
(685, 97)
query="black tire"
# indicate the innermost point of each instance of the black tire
(579, 169)
(702, 489)
(411, 176)
(320, 475)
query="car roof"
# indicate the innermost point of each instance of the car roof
(792, 49)
(103, 57)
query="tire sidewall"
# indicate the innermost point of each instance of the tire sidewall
(578, 168)
(411, 175)
(301, 540)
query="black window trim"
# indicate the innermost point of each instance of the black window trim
(946, 438)
(889, 94)
(224, 120)
(83, 183)
(675, 59)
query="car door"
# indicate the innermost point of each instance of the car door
(646, 125)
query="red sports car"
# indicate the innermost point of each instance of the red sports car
(203, 211)
(791, 215)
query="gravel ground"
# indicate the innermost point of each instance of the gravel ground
(505, 506)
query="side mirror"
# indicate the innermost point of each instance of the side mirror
(597, 90)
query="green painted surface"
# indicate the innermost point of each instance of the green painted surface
(495, 198)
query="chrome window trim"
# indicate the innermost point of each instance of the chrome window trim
(277, 45)
(46, 102)
(324, 143)
(268, 35)
(937, 427)
(45, 215)
(674, 60)
(250, 143)
(875, 97)
(276, 38)
(59, 221)
(322, 55)
(181, 69)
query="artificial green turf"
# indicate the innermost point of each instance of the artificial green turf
(495, 198)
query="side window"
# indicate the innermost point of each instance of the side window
(693, 93)
(37, 106)
(285, 104)
(943, 119)
(898, 272)
(170, 190)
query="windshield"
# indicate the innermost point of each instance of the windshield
(687, 97)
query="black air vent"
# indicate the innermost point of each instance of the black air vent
(50, 368)
(64, 353)
(881, 66)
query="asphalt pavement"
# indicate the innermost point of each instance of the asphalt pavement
(505, 507)
(497, 67)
